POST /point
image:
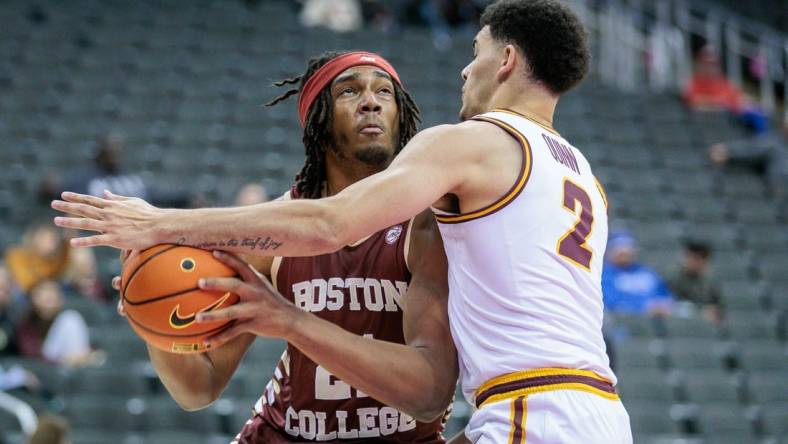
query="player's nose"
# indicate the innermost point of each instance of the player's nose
(464, 73)
(369, 103)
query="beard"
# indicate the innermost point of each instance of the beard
(375, 155)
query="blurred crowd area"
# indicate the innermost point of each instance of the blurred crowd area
(696, 277)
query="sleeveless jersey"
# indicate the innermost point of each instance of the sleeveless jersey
(361, 288)
(525, 272)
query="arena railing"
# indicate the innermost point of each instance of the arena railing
(25, 414)
(644, 42)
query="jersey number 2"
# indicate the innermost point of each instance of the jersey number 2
(573, 244)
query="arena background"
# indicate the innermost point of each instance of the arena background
(179, 84)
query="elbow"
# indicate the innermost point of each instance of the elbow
(429, 413)
(194, 402)
(195, 398)
(431, 408)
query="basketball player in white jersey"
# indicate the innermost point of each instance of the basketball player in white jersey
(524, 224)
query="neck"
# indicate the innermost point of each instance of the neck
(535, 102)
(341, 172)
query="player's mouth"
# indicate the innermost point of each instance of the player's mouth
(371, 129)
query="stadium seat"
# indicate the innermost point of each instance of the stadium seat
(757, 211)
(697, 354)
(767, 238)
(676, 327)
(107, 413)
(119, 381)
(94, 312)
(744, 185)
(649, 417)
(743, 295)
(725, 421)
(767, 387)
(640, 353)
(162, 414)
(701, 208)
(775, 418)
(748, 325)
(620, 325)
(773, 266)
(733, 264)
(637, 386)
(711, 386)
(759, 355)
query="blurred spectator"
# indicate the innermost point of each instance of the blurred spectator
(381, 15)
(753, 117)
(43, 254)
(50, 430)
(442, 15)
(767, 153)
(336, 15)
(629, 287)
(708, 89)
(51, 333)
(692, 283)
(17, 377)
(82, 275)
(11, 305)
(251, 194)
(49, 188)
(107, 173)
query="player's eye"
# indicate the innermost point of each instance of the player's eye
(347, 91)
(386, 90)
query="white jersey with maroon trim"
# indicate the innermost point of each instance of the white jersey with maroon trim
(525, 271)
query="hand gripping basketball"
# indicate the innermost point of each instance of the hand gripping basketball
(261, 310)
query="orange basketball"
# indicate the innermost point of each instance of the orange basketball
(161, 297)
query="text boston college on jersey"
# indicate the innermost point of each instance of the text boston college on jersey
(332, 294)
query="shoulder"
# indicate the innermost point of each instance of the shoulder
(465, 137)
(472, 131)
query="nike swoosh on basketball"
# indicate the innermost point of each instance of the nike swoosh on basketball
(179, 321)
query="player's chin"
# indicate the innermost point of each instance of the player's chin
(374, 153)
(465, 114)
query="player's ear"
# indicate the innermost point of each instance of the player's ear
(509, 61)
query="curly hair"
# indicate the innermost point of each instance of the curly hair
(549, 34)
(317, 129)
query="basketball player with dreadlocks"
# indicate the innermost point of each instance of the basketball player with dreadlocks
(523, 222)
(356, 117)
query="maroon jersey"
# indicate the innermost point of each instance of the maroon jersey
(361, 288)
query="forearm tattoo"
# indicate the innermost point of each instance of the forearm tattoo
(250, 243)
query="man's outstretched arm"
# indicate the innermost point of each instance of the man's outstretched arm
(430, 166)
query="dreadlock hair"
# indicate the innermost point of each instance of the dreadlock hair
(317, 128)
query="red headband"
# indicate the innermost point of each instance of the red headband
(330, 70)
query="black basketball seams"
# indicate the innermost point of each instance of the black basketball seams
(134, 273)
(162, 297)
